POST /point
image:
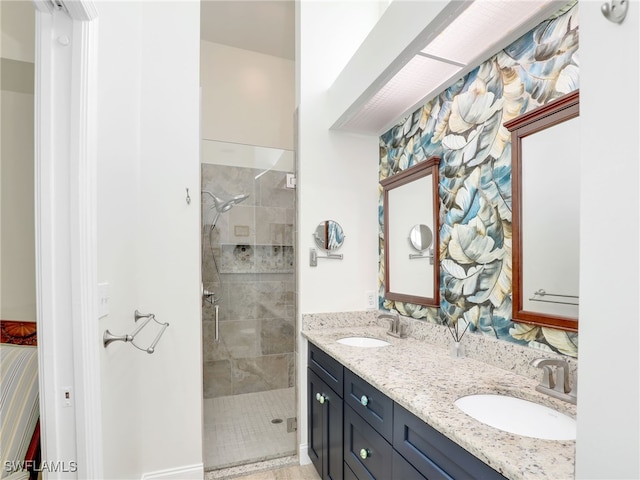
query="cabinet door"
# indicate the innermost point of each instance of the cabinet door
(325, 428)
(315, 386)
(333, 416)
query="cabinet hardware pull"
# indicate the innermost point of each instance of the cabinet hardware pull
(365, 453)
(364, 400)
(320, 398)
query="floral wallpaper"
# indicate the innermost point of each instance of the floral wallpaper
(463, 125)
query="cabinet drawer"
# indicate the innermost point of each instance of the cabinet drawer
(359, 438)
(432, 453)
(326, 367)
(372, 405)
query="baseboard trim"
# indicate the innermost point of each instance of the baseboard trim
(188, 472)
(303, 454)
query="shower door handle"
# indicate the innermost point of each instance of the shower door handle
(217, 324)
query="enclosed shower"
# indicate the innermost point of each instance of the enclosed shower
(248, 225)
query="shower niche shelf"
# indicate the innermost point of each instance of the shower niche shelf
(256, 258)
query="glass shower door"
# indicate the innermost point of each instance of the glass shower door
(248, 225)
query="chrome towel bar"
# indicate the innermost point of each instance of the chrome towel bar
(538, 294)
(108, 337)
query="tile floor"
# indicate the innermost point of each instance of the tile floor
(239, 429)
(294, 472)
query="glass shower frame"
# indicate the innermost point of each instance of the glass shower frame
(248, 274)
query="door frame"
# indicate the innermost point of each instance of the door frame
(66, 239)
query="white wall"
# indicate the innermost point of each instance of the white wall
(148, 237)
(18, 30)
(17, 260)
(337, 172)
(608, 444)
(247, 97)
(17, 234)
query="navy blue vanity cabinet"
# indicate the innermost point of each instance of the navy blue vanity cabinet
(325, 414)
(433, 454)
(358, 433)
(366, 452)
(368, 402)
(368, 429)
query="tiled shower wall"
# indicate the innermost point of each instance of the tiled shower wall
(247, 261)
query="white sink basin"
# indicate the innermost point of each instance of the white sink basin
(363, 342)
(518, 416)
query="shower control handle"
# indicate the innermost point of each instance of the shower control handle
(216, 309)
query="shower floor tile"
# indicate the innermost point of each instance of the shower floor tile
(239, 429)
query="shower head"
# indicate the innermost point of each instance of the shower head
(225, 205)
(222, 206)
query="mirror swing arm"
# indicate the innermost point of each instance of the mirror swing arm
(328, 237)
(541, 118)
(330, 256)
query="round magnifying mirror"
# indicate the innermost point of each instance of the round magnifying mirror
(421, 237)
(329, 235)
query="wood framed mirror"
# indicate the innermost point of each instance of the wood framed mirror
(411, 204)
(546, 231)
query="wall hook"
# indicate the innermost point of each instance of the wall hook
(616, 11)
(188, 198)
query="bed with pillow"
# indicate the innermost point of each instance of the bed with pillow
(19, 397)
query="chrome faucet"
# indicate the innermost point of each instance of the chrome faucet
(396, 329)
(558, 386)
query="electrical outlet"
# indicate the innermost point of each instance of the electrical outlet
(67, 401)
(371, 299)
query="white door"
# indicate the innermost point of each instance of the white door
(117, 148)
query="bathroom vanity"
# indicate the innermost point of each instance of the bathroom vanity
(354, 422)
(388, 412)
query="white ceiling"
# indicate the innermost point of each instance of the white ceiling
(473, 31)
(264, 26)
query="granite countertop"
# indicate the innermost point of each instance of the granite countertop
(426, 380)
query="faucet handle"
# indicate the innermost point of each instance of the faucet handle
(560, 386)
(547, 377)
(563, 384)
(547, 374)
